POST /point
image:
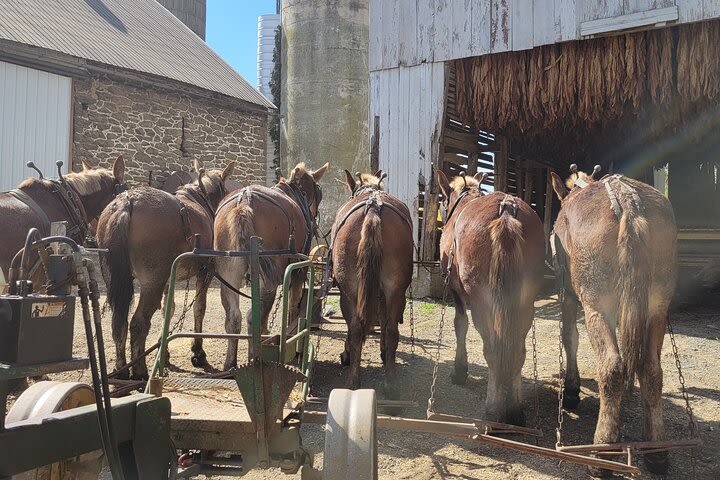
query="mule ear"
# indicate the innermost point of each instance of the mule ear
(378, 174)
(197, 165)
(318, 174)
(560, 189)
(118, 169)
(86, 165)
(480, 176)
(444, 184)
(349, 181)
(228, 170)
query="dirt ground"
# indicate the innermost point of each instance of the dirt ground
(425, 456)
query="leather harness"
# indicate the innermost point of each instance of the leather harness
(72, 204)
(373, 201)
(614, 184)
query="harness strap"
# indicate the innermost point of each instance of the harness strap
(199, 199)
(297, 197)
(508, 202)
(74, 207)
(27, 200)
(227, 284)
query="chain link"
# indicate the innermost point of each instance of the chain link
(431, 400)
(535, 375)
(275, 311)
(561, 386)
(692, 425)
(412, 321)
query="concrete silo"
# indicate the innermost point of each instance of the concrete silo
(190, 12)
(325, 91)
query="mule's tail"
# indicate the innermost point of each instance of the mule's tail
(116, 262)
(633, 285)
(506, 279)
(242, 228)
(369, 262)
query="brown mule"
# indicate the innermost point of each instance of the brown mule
(372, 252)
(492, 247)
(36, 203)
(145, 229)
(617, 237)
(274, 214)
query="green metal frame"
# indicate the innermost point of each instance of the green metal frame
(274, 438)
(288, 347)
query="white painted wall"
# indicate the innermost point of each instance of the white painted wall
(35, 118)
(410, 32)
(409, 102)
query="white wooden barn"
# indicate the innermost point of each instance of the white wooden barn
(429, 61)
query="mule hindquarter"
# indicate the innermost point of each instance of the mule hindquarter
(499, 271)
(234, 225)
(144, 235)
(372, 258)
(624, 270)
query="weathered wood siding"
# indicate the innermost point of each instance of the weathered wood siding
(411, 32)
(409, 103)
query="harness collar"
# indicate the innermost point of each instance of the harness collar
(463, 193)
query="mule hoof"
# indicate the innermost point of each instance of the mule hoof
(515, 417)
(657, 463)
(199, 360)
(139, 376)
(459, 376)
(345, 359)
(571, 400)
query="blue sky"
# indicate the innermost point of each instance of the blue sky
(232, 32)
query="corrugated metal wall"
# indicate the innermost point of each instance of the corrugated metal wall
(34, 122)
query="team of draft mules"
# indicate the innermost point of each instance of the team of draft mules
(606, 236)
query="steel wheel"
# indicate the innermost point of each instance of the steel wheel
(45, 398)
(350, 438)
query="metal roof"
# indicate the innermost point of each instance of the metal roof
(136, 35)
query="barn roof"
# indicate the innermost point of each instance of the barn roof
(135, 35)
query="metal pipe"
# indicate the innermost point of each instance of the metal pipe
(97, 319)
(83, 292)
(159, 365)
(286, 288)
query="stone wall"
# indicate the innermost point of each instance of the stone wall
(164, 131)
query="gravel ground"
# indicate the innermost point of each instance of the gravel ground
(426, 456)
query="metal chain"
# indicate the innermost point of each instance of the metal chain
(692, 426)
(180, 322)
(275, 311)
(412, 321)
(431, 400)
(535, 376)
(561, 386)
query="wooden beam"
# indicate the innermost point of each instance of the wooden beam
(648, 19)
(501, 164)
(472, 164)
(547, 214)
(375, 145)
(528, 184)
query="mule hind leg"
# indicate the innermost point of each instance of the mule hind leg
(347, 307)
(202, 283)
(120, 334)
(394, 308)
(650, 375)
(460, 372)
(610, 373)
(570, 340)
(150, 299)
